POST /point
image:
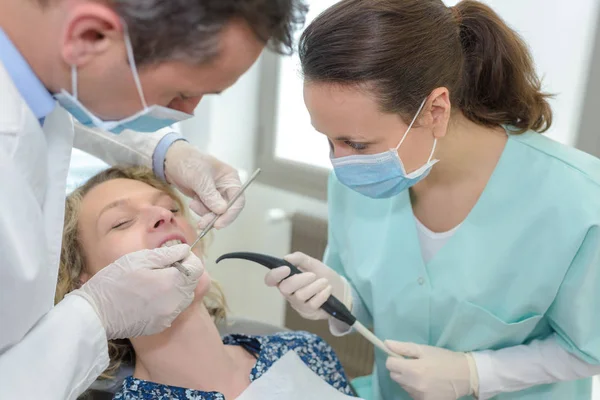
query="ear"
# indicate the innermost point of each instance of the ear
(91, 29)
(437, 111)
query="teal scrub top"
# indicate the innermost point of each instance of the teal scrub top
(524, 264)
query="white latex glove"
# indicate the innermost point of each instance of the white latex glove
(136, 295)
(308, 291)
(432, 373)
(208, 181)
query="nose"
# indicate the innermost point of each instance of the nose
(160, 217)
(185, 105)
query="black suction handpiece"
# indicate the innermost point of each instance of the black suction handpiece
(332, 306)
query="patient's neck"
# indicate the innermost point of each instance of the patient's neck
(191, 354)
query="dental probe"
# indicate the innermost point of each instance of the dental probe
(208, 227)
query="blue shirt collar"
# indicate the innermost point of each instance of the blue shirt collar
(33, 91)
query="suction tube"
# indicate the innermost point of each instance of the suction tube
(332, 306)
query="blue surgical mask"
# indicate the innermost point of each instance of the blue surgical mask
(381, 175)
(149, 119)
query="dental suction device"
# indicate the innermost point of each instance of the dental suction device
(333, 306)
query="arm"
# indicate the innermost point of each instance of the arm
(520, 367)
(50, 353)
(59, 358)
(209, 182)
(572, 352)
(128, 148)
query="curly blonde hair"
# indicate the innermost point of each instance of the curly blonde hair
(73, 262)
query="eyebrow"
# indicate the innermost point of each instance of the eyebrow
(126, 201)
(343, 138)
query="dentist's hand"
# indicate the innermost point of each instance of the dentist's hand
(208, 181)
(432, 373)
(140, 294)
(308, 291)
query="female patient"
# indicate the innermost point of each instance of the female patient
(122, 210)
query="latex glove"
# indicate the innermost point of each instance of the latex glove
(136, 295)
(308, 291)
(209, 182)
(432, 373)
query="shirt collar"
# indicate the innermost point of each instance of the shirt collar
(33, 91)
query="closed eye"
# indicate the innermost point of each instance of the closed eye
(122, 224)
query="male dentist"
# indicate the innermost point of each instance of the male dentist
(102, 75)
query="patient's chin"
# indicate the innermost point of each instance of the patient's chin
(203, 286)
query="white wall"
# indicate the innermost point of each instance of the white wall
(560, 36)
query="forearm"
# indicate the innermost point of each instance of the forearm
(127, 148)
(520, 367)
(59, 358)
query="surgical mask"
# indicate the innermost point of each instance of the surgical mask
(149, 119)
(381, 175)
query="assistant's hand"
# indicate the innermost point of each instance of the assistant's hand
(140, 293)
(208, 181)
(432, 373)
(308, 291)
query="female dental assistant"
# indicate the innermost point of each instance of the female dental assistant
(457, 231)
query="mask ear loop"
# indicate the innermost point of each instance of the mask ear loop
(432, 151)
(74, 81)
(131, 58)
(411, 124)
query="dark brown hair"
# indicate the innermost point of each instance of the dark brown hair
(402, 50)
(187, 30)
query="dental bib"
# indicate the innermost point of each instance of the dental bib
(289, 378)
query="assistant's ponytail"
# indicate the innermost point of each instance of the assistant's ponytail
(404, 49)
(499, 83)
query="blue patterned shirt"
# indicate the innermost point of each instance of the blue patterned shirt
(313, 350)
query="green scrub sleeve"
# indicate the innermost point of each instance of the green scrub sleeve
(575, 313)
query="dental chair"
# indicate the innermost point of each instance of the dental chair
(106, 388)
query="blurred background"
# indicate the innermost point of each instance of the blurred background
(262, 122)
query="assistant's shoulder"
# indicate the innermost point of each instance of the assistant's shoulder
(562, 161)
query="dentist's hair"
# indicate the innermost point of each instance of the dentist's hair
(401, 50)
(187, 30)
(73, 261)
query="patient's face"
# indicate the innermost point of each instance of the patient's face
(122, 216)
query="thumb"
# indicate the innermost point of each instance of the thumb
(302, 261)
(405, 349)
(194, 266)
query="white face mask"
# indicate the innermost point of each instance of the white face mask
(149, 119)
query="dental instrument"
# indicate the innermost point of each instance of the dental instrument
(333, 306)
(208, 227)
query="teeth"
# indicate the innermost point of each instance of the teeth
(172, 243)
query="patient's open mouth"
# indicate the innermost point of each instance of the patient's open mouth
(172, 242)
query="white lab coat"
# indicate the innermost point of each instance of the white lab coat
(46, 352)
